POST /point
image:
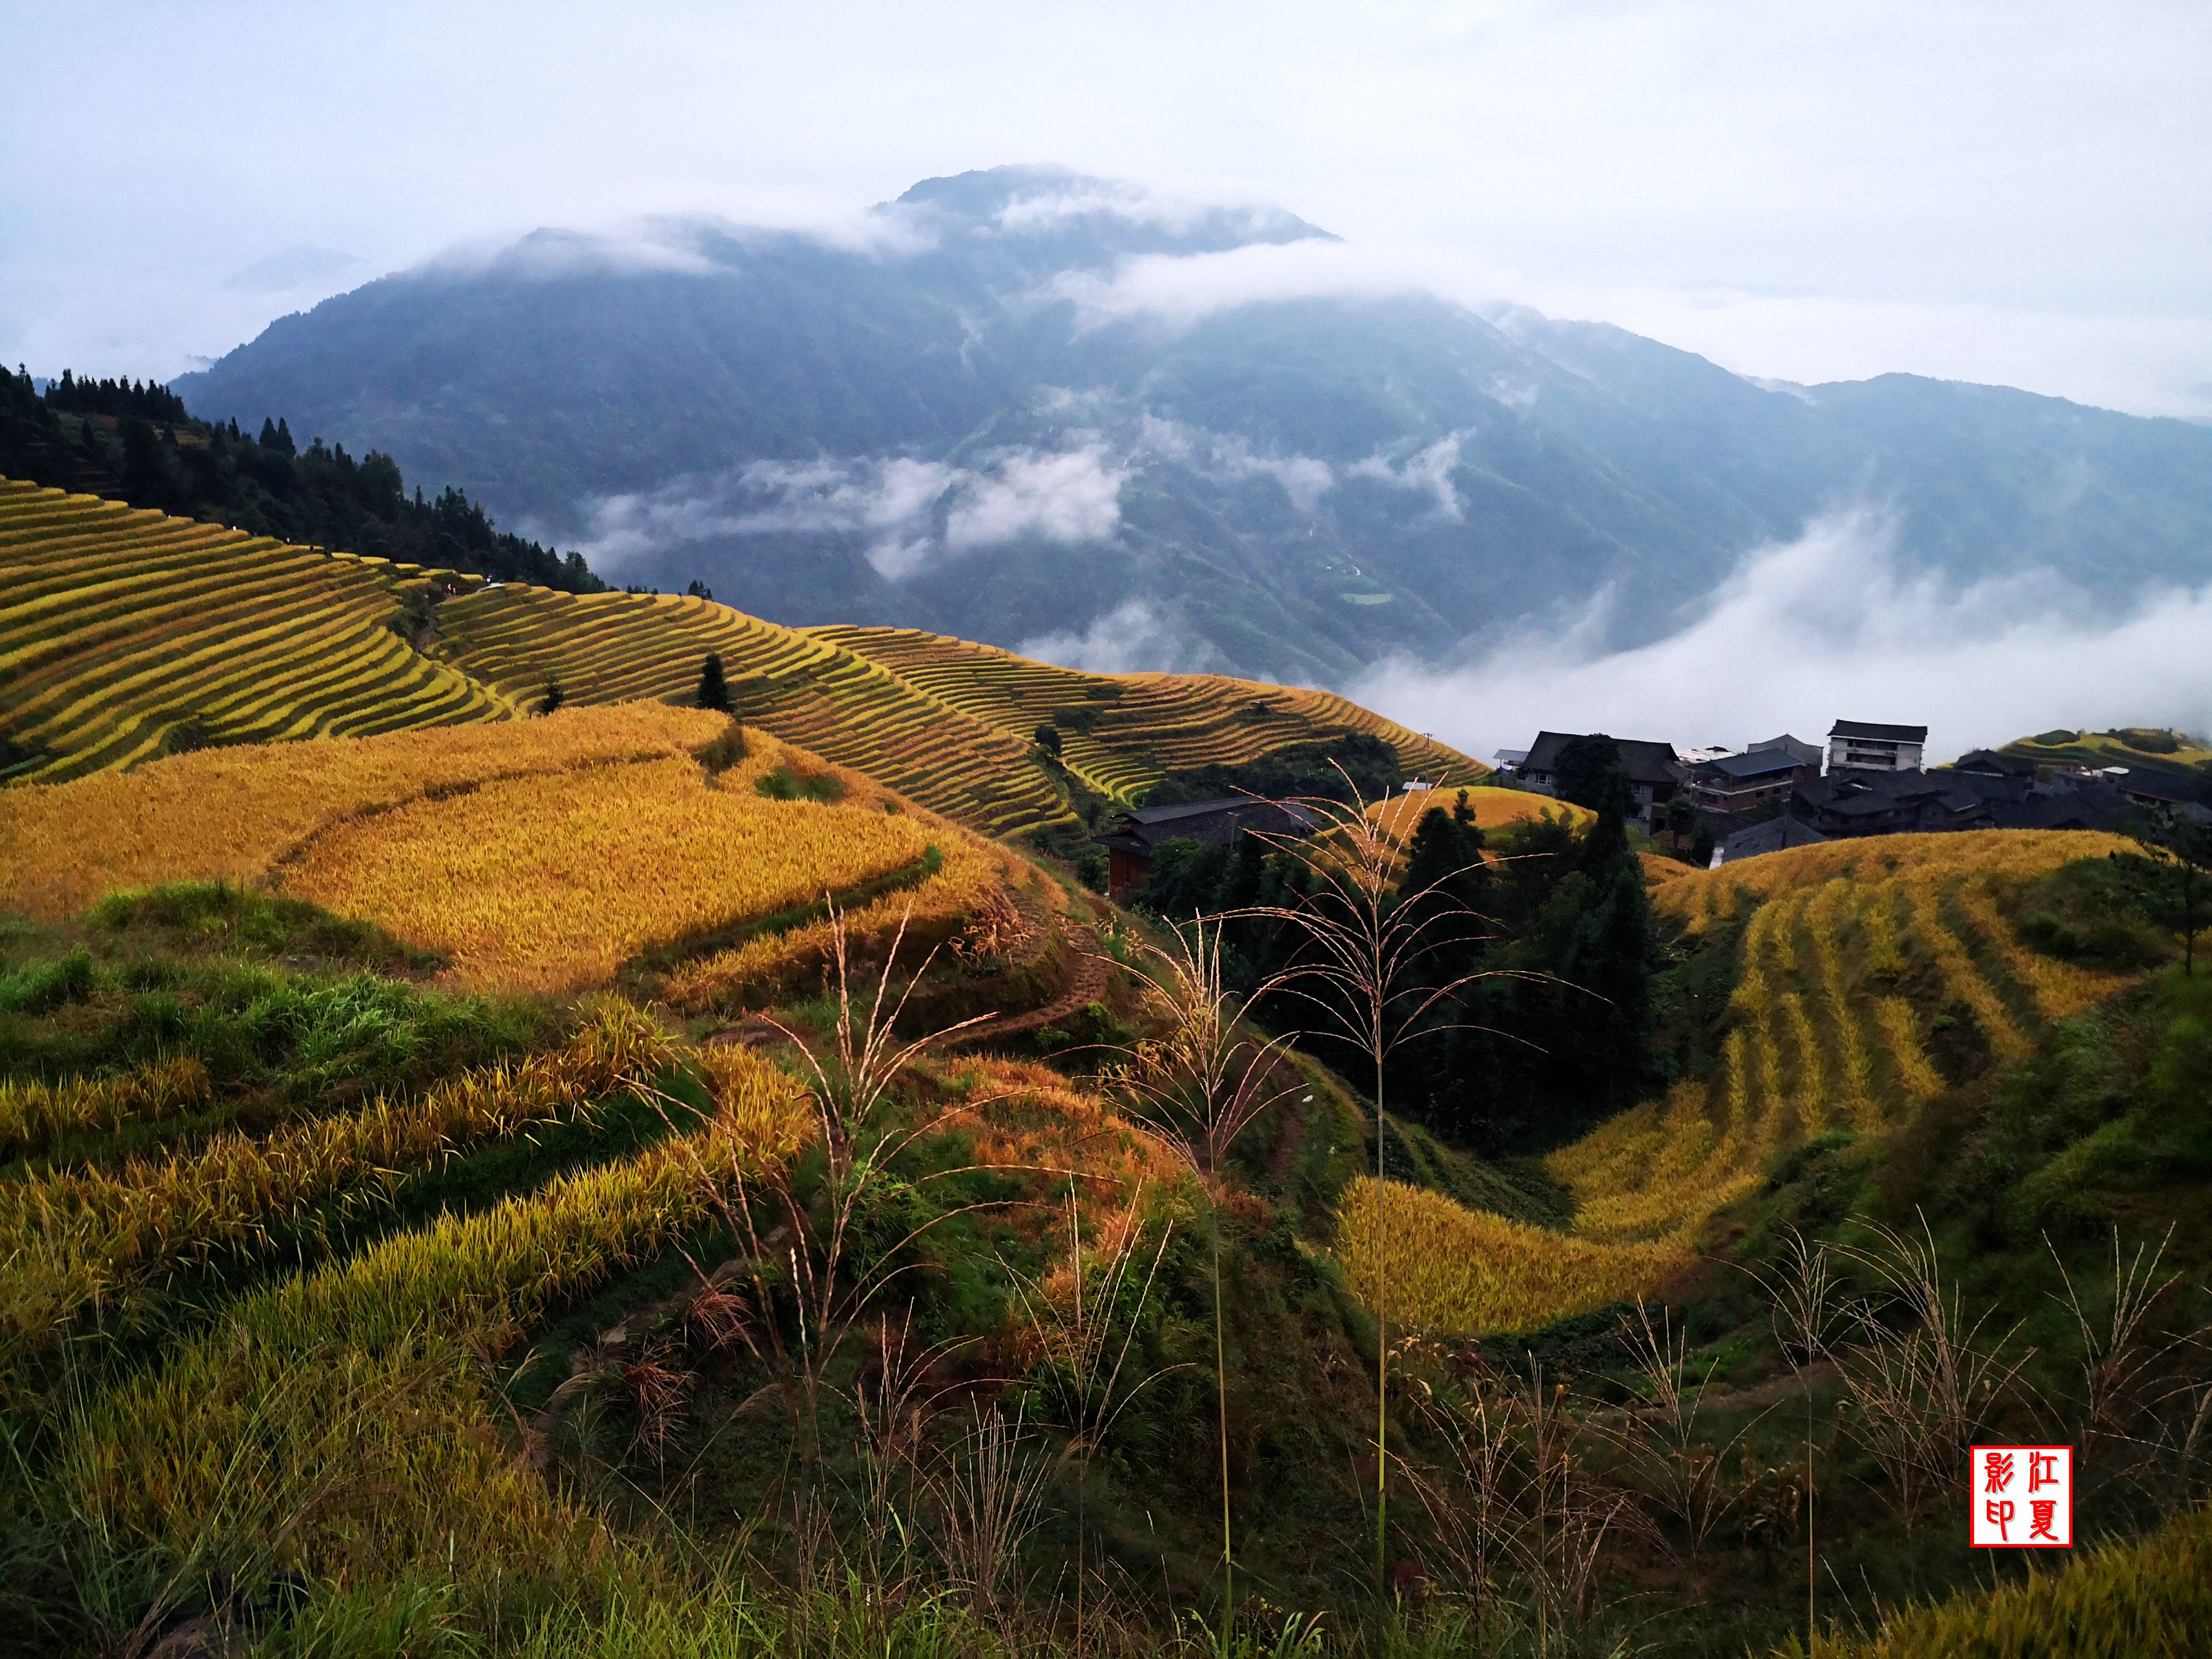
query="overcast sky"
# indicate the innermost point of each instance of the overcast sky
(2011, 192)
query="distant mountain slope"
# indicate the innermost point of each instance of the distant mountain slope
(968, 426)
(125, 634)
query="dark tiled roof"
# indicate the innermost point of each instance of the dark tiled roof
(1757, 764)
(1807, 752)
(2092, 806)
(1884, 734)
(1770, 837)
(1989, 762)
(1216, 822)
(1643, 759)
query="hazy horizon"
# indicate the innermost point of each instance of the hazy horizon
(1995, 194)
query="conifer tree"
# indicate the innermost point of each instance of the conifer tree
(714, 692)
(553, 699)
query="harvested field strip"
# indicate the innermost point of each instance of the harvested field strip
(344, 1400)
(74, 1238)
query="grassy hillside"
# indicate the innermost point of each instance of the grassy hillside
(2138, 748)
(124, 634)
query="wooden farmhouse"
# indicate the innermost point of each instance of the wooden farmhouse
(1129, 845)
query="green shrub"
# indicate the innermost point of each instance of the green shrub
(2144, 740)
(38, 987)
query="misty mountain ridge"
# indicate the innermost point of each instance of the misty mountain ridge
(961, 414)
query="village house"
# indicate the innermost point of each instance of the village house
(1129, 845)
(1731, 784)
(1864, 746)
(1654, 769)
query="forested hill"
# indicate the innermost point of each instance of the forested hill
(135, 441)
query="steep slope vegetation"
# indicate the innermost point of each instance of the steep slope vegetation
(124, 633)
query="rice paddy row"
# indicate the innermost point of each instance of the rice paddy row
(1121, 733)
(1855, 957)
(126, 632)
(946, 722)
(610, 648)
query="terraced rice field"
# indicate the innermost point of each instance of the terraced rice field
(1494, 808)
(237, 814)
(349, 1398)
(1142, 726)
(540, 856)
(1852, 953)
(121, 630)
(946, 722)
(551, 884)
(610, 648)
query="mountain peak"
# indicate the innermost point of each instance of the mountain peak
(1037, 203)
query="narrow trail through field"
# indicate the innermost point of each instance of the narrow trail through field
(1089, 986)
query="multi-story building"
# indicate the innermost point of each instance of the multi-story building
(1864, 746)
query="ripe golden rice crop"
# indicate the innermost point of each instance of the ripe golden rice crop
(551, 884)
(2016, 855)
(34, 1115)
(964, 897)
(1463, 1272)
(73, 1237)
(1494, 808)
(343, 1399)
(232, 814)
(1820, 1038)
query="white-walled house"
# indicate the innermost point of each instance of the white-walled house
(1864, 746)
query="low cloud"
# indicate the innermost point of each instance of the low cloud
(912, 512)
(1069, 497)
(302, 266)
(1134, 637)
(1180, 289)
(1427, 470)
(1826, 628)
(1229, 456)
